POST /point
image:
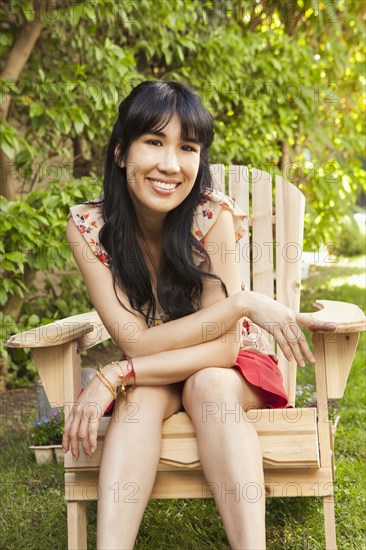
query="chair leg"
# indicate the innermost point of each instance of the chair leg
(76, 525)
(329, 523)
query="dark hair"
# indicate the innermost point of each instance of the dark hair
(149, 108)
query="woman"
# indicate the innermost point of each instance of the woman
(152, 255)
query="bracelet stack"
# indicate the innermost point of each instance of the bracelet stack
(122, 388)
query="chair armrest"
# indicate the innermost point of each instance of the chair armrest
(334, 351)
(86, 328)
(345, 317)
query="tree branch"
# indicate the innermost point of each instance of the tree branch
(18, 57)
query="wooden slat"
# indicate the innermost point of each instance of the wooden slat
(76, 525)
(290, 212)
(288, 438)
(324, 426)
(239, 191)
(218, 176)
(192, 484)
(329, 522)
(262, 235)
(283, 483)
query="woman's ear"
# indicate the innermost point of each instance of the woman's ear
(117, 157)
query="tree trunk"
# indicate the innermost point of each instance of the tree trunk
(82, 163)
(285, 158)
(14, 304)
(18, 57)
(8, 183)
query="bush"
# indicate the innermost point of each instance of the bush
(351, 239)
(33, 240)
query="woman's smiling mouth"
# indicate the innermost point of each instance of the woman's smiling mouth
(164, 186)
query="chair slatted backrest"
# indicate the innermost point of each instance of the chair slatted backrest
(270, 253)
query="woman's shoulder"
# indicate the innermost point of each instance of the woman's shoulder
(88, 218)
(208, 209)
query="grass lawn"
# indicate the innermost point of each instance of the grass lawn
(33, 512)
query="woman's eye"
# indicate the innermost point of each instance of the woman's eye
(154, 142)
(189, 148)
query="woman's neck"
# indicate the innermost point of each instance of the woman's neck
(151, 227)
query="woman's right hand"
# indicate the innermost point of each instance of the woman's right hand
(284, 324)
(83, 420)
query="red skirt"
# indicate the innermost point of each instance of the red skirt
(262, 371)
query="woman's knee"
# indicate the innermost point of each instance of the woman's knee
(218, 386)
(209, 384)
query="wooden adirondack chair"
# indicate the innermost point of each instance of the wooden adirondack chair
(297, 443)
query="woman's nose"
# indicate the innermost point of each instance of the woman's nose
(169, 162)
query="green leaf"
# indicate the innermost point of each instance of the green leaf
(15, 257)
(8, 150)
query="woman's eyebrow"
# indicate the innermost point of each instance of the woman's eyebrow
(160, 133)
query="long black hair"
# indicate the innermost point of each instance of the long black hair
(149, 108)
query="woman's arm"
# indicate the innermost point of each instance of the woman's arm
(166, 367)
(218, 319)
(129, 330)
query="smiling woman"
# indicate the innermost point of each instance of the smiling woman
(154, 268)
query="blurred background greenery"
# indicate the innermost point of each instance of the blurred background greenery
(284, 81)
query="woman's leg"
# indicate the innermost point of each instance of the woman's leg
(131, 453)
(229, 451)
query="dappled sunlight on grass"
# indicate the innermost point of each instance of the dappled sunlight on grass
(343, 281)
(354, 280)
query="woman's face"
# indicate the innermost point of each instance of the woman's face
(161, 169)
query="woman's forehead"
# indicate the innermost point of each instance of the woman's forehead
(174, 123)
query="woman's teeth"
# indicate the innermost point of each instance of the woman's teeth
(163, 185)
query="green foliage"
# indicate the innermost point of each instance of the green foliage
(273, 76)
(33, 232)
(351, 239)
(48, 430)
(33, 239)
(283, 80)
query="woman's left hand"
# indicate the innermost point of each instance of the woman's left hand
(284, 324)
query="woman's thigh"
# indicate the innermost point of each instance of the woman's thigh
(220, 385)
(149, 402)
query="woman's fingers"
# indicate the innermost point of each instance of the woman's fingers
(82, 424)
(283, 343)
(84, 434)
(299, 345)
(314, 325)
(88, 430)
(93, 433)
(293, 343)
(74, 431)
(66, 437)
